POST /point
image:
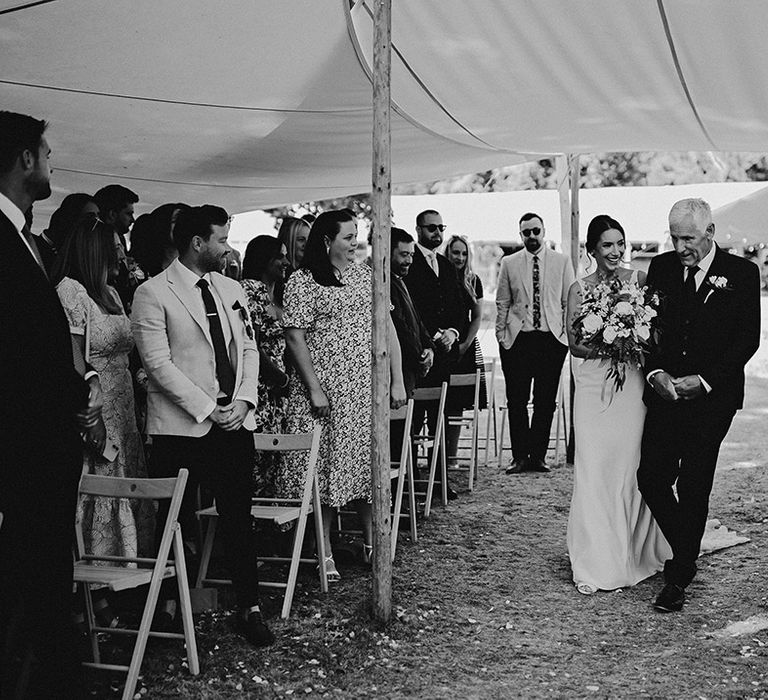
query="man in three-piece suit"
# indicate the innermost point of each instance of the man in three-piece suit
(709, 327)
(531, 300)
(46, 404)
(198, 349)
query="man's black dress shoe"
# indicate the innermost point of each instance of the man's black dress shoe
(670, 599)
(255, 630)
(538, 465)
(518, 466)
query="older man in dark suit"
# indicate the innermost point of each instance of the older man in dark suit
(709, 328)
(46, 403)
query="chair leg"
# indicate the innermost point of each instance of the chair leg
(444, 466)
(205, 557)
(397, 511)
(185, 603)
(293, 571)
(90, 620)
(319, 538)
(412, 496)
(143, 636)
(431, 480)
(500, 452)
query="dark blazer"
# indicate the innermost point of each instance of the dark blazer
(438, 300)
(41, 457)
(412, 335)
(717, 338)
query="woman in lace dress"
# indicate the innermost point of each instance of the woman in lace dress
(264, 268)
(613, 540)
(327, 321)
(102, 332)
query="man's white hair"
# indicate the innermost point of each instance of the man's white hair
(697, 208)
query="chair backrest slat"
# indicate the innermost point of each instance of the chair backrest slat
(269, 442)
(463, 379)
(121, 487)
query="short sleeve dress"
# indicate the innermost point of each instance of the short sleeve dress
(111, 527)
(270, 413)
(337, 322)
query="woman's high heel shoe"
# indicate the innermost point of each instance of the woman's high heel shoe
(367, 553)
(332, 574)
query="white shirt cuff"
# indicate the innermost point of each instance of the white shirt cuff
(650, 374)
(208, 410)
(706, 386)
(94, 373)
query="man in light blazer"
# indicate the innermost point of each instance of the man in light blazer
(195, 340)
(530, 326)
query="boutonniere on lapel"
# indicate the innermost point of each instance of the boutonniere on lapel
(717, 283)
(237, 306)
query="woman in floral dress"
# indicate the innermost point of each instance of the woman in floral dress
(88, 260)
(264, 268)
(327, 321)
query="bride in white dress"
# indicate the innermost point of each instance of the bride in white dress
(613, 540)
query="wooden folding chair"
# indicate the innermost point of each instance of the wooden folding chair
(138, 571)
(472, 422)
(401, 470)
(560, 422)
(424, 440)
(489, 368)
(281, 511)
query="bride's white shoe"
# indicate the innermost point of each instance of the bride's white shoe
(585, 588)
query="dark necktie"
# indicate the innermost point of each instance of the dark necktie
(536, 294)
(33, 247)
(224, 372)
(689, 286)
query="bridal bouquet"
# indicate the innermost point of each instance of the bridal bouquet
(615, 319)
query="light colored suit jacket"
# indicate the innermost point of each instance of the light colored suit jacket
(514, 294)
(174, 341)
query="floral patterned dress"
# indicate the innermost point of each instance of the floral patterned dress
(337, 322)
(270, 413)
(113, 527)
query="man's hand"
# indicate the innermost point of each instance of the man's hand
(445, 339)
(688, 387)
(664, 386)
(231, 416)
(91, 414)
(427, 358)
(97, 436)
(319, 403)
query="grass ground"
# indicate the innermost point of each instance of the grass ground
(484, 607)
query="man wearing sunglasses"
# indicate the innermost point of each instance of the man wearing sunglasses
(530, 327)
(435, 290)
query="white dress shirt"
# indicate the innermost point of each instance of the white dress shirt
(16, 217)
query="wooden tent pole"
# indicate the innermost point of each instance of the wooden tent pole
(381, 216)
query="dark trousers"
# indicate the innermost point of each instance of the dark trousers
(38, 495)
(681, 442)
(535, 358)
(222, 462)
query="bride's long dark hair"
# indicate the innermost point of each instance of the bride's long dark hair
(599, 225)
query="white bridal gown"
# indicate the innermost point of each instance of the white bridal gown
(613, 540)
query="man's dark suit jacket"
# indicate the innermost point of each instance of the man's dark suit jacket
(411, 333)
(440, 303)
(40, 452)
(723, 331)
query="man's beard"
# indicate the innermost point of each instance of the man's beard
(213, 263)
(39, 189)
(532, 244)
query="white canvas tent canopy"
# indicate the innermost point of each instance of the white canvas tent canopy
(743, 222)
(251, 103)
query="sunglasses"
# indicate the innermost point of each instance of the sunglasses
(535, 231)
(434, 227)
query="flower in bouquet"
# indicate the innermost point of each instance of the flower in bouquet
(615, 319)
